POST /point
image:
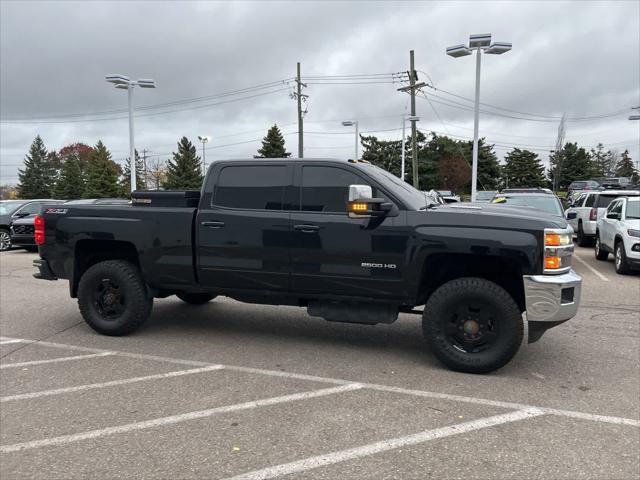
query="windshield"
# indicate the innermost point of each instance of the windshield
(633, 210)
(445, 193)
(485, 195)
(8, 207)
(412, 198)
(577, 185)
(546, 203)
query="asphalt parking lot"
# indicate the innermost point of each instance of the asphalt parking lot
(231, 390)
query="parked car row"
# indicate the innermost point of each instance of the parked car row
(618, 232)
(17, 219)
(585, 211)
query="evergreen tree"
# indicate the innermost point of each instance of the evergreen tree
(70, 183)
(571, 163)
(488, 165)
(273, 145)
(600, 161)
(102, 174)
(523, 169)
(625, 167)
(184, 171)
(37, 179)
(125, 180)
(386, 154)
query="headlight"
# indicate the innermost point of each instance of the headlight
(558, 248)
(633, 233)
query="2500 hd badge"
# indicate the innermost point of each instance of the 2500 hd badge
(295, 231)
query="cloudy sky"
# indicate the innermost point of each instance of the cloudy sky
(578, 58)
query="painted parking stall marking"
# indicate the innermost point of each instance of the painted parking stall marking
(276, 373)
(55, 360)
(157, 422)
(385, 445)
(113, 383)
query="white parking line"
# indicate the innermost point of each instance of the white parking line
(157, 422)
(7, 342)
(373, 386)
(92, 386)
(385, 445)
(55, 360)
(593, 270)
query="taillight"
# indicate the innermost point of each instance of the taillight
(593, 214)
(38, 223)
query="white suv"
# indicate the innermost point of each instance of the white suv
(618, 232)
(588, 208)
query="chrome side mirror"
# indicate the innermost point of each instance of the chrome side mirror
(360, 192)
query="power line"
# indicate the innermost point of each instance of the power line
(262, 86)
(152, 114)
(549, 117)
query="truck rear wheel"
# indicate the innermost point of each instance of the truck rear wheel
(113, 298)
(196, 298)
(472, 325)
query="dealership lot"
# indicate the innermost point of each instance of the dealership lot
(248, 391)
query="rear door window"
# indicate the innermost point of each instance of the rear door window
(251, 187)
(603, 201)
(590, 200)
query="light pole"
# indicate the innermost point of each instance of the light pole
(204, 140)
(352, 123)
(411, 118)
(123, 82)
(480, 43)
(635, 117)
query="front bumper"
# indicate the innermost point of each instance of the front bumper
(552, 298)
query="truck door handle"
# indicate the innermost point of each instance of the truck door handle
(306, 228)
(212, 224)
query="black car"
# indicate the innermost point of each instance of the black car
(22, 229)
(11, 210)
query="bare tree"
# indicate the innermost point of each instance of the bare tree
(157, 172)
(613, 158)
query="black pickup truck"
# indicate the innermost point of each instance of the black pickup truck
(345, 239)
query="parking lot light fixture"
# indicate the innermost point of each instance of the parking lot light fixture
(353, 123)
(480, 43)
(123, 82)
(204, 139)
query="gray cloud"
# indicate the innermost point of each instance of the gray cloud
(582, 58)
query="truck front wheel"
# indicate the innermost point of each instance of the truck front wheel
(196, 298)
(113, 297)
(472, 325)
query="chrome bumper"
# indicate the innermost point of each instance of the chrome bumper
(552, 298)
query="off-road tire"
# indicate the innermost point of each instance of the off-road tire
(600, 253)
(136, 303)
(196, 298)
(620, 258)
(471, 291)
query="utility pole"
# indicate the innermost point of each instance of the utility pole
(412, 88)
(414, 152)
(300, 97)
